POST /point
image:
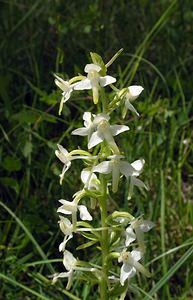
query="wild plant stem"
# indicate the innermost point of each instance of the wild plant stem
(104, 241)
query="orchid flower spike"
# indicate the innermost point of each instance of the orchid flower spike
(94, 81)
(131, 265)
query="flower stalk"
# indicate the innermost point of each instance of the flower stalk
(104, 240)
(119, 235)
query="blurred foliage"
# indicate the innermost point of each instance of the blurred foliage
(39, 38)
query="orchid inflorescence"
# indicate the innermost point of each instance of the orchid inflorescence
(120, 238)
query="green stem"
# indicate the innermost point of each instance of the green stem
(104, 101)
(104, 241)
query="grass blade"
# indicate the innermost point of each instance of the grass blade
(170, 273)
(16, 283)
(28, 233)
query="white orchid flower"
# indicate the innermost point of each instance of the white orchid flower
(67, 89)
(115, 166)
(62, 245)
(69, 262)
(105, 131)
(67, 228)
(134, 181)
(62, 275)
(89, 126)
(131, 265)
(138, 166)
(71, 208)
(131, 94)
(94, 81)
(66, 157)
(84, 214)
(71, 265)
(99, 130)
(90, 179)
(136, 231)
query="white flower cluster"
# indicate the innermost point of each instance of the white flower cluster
(107, 160)
(134, 232)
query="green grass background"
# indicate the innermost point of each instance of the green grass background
(38, 38)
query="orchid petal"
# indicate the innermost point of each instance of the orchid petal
(87, 175)
(106, 80)
(130, 236)
(84, 214)
(146, 226)
(64, 170)
(66, 96)
(104, 167)
(138, 165)
(138, 182)
(94, 140)
(117, 129)
(80, 131)
(127, 271)
(92, 67)
(65, 225)
(62, 149)
(64, 211)
(62, 246)
(129, 106)
(67, 207)
(135, 91)
(84, 84)
(62, 84)
(101, 117)
(60, 275)
(136, 255)
(69, 261)
(87, 117)
(126, 169)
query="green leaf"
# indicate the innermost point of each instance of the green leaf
(26, 117)
(84, 224)
(27, 149)
(86, 245)
(10, 182)
(52, 98)
(97, 60)
(89, 236)
(11, 164)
